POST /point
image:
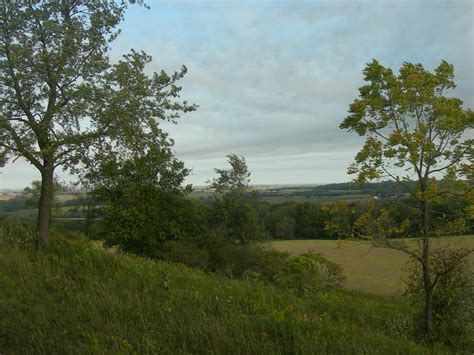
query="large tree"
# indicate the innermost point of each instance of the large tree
(234, 214)
(144, 197)
(415, 130)
(61, 100)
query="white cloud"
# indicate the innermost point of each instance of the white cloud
(274, 78)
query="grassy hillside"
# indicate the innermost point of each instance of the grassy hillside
(367, 269)
(75, 299)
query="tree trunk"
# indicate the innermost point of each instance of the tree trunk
(428, 310)
(45, 207)
(427, 285)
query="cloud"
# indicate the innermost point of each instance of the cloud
(274, 79)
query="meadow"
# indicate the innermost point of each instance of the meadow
(6, 196)
(367, 268)
(76, 299)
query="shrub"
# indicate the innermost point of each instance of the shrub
(229, 257)
(225, 256)
(15, 233)
(309, 273)
(269, 263)
(185, 251)
(453, 309)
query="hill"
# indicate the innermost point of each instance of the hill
(75, 298)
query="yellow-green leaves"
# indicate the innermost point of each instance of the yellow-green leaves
(410, 123)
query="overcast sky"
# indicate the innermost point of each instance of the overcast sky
(273, 79)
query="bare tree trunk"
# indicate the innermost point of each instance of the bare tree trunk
(428, 309)
(427, 285)
(45, 207)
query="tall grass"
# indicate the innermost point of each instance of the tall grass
(76, 299)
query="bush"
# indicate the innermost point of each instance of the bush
(228, 257)
(224, 256)
(309, 273)
(269, 263)
(305, 274)
(185, 251)
(15, 233)
(453, 309)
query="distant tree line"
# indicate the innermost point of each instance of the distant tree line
(380, 189)
(186, 217)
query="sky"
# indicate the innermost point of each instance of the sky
(274, 79)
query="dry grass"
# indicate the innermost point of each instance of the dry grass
(367, 268)
(6, 197)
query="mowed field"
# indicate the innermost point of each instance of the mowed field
(367, 268)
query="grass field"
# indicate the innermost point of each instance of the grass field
(7, 196)
(75, 299)
(367, 268)
(23, 216)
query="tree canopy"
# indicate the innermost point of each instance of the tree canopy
(412, 126)
(234, 215)
(144, 200)
(234, 180)
(62, 101)
(414, 129)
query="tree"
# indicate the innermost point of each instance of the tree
(234, 214)
(33, 193)
(280, 220)
(340, 220)
(412, 127)
(453, 308)
(144, 199)
(61, 100)
(234, 181)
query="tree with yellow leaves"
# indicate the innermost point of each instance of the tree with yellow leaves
(415, 130)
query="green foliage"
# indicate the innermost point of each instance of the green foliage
(32, 193)
(56, 76)
(223, 256)
(227, 257)
(412, 123)
(408, 120)
(453, 293)
(15, 233)
(234, 214)
(414, 126)
(236, 218)
(308, 274)
(63, 102)
(280, 223)
(145, 200)
(234, 180)
(269, 263)
(340, 220)
(297, 221)
(74, 298)
(309, 221)
(186, 251)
